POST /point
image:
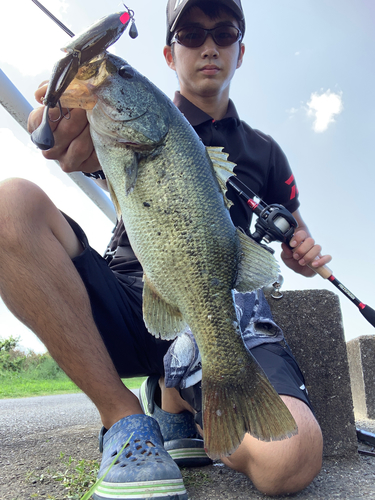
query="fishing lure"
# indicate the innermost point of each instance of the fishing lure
(82, 49)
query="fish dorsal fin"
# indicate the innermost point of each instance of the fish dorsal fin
(257, 266)
(161, 319)
(223, 169)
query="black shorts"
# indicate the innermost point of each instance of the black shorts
(116, 303)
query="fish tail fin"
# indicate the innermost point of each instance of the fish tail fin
(232, 409)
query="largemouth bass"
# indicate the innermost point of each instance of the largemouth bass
(169, 190)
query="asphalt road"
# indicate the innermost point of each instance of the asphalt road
(36, 432)
(20, 418)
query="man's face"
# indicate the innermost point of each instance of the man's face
(207, 70)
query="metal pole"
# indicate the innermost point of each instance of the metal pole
(19, 108)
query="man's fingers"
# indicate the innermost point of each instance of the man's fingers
(309, 256)
(41, 91)
(66, 131)
(298, 238)
(321, 261)
(79, 154)
(36, 116)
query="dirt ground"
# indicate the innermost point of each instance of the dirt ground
(27, 468)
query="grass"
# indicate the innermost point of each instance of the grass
(194, 478)
(77, 476)
(30, 374)
(22, 386)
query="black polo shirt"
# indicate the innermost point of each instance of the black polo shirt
(260, 164)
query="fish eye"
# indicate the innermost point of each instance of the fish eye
(126, 72)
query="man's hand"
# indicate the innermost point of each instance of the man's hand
(304, 251)
(73, 148)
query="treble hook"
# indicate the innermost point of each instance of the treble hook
(62, 115)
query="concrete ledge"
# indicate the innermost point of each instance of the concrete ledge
(312, 325)
(361, 354)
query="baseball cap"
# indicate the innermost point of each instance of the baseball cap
(175, 9)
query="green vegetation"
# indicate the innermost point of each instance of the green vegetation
(194, 478)
(24, 374)
(78, 476)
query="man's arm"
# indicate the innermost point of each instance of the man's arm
(73, 148)
(305, 250)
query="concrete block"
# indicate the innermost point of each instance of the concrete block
(312, 325)
(361, 354)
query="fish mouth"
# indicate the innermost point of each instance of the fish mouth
(81, 92)
(79, 95)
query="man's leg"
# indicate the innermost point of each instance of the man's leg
(40, 285)
(277, 467)
(286, 466)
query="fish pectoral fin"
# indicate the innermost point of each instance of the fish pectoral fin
(131, 173)
(223, 169)
(162, 319)
(246, 404)
(257, 266)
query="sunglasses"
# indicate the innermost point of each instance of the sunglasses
(193, 36)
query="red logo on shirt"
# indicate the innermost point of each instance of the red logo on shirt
(291, 182)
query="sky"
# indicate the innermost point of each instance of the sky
(307, 80)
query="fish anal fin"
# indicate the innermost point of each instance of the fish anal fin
(257, 266)
(162, 319)
(249, 404)
(223, 169)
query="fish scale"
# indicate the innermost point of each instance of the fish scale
(170, 191)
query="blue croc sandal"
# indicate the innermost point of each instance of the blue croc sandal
(179, 431)
(144, 470)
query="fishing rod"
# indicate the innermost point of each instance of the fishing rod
(276, 223)
(51, 16)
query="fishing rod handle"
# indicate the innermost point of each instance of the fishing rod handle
(323, 271)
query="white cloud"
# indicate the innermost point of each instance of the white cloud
(31, 41)
(292, 111)
(323, 108)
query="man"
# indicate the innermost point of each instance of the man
(87, 310)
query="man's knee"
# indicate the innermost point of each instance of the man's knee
(22, 203)
(292, 479)
(286, 466)
(27, 214)
(302, 453)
